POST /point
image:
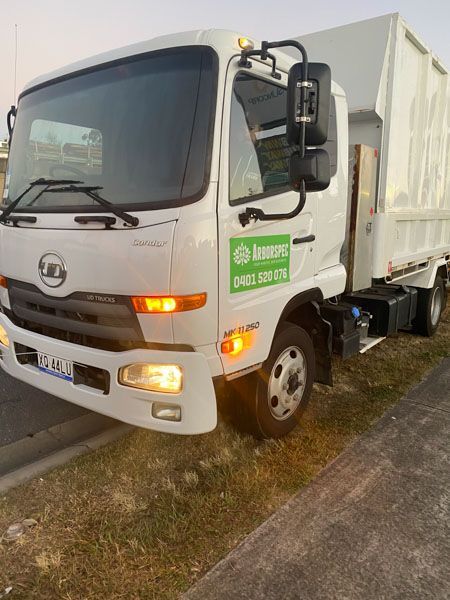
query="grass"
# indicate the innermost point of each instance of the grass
(148, 515)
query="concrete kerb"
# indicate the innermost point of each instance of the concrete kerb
(30, 457)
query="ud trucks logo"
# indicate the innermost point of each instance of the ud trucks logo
(52, 270)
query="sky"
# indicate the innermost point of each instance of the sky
(52, 33)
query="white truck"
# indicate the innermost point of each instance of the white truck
(183, 221)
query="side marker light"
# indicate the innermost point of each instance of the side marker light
(233, 346)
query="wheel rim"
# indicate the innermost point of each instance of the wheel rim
(287, 383)
(436, 306)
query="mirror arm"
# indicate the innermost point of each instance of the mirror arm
(246, 64)
(245, 54)
(274, 73)
(265, 46)
(257, 213)
(11, 113)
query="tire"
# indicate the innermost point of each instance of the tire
(430, 305)
(445, 291)
(259, 404)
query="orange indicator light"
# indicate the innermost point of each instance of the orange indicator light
(167, 304)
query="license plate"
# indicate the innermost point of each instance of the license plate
(58, 367)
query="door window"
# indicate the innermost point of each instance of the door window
(259, 151)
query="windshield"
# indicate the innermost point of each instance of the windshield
(139, 128)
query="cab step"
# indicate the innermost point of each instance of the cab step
(369, 342)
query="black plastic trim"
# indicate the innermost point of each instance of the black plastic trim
(78, 302)
(107, 221)
(103, 321)
(304, 240)
(261, 196)
(79, 327)
(14, 219)
(312, 295)
(317, 327)
(96, 378)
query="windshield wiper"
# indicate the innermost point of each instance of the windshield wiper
(91, 191)
(71, 185)
(41, 181)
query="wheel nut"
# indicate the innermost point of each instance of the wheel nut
(296, 397)
(285, 386)
(299, 370)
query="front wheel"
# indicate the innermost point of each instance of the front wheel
(269, 402)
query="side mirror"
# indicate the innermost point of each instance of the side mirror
(313, 169)
(11, 113)
(317, 108)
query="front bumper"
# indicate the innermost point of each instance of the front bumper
(197, 399)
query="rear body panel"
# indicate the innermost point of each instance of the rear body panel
(398, 94)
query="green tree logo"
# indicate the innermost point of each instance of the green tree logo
(241, 255)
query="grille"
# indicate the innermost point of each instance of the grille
(98, 321)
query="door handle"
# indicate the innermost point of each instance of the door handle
(304, 240)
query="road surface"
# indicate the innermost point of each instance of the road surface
(25, 411)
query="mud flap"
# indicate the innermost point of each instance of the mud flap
(322, 337)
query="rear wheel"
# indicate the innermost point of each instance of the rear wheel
(269, 402)
(430, 304)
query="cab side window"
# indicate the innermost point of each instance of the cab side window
(259, 151)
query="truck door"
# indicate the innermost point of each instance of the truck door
(264, 264)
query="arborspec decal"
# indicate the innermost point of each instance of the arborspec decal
(241, 255)
(259, 262)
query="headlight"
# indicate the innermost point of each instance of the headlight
(155, 378)
(4, 339)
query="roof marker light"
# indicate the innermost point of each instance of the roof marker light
(246, 43)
